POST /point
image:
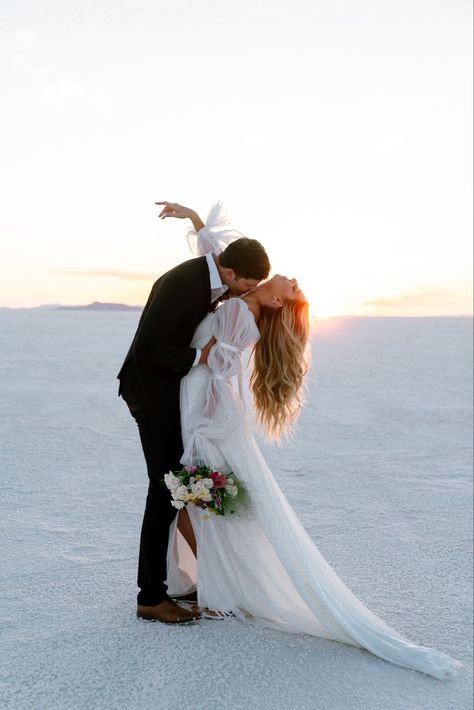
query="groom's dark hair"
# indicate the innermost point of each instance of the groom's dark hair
(247, 258)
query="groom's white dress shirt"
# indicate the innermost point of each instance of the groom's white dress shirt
(217, 289)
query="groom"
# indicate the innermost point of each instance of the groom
(158, 358)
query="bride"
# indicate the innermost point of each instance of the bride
(261, 566)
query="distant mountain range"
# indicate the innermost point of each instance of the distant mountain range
(98, 306)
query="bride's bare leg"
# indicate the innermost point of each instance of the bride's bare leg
(186, 529)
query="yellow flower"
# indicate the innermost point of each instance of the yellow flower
(204, 494)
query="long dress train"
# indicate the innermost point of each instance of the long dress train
(262, 565)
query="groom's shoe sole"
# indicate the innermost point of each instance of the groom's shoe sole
(170, 614)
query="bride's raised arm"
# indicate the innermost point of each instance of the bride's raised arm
(213, 235)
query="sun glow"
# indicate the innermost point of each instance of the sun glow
(324, 309)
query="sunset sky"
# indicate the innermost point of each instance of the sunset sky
(337, 133)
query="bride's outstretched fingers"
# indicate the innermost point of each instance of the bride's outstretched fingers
(173, 209)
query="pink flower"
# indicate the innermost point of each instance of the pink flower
(190, 469)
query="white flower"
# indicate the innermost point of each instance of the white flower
(192, 479)
(178, 504)
(204, 494)
(230, 480)
(208, 482)
(232, 490)
(181, 492)
(171, 480)
(200, 491)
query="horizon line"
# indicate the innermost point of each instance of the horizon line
(54, 306)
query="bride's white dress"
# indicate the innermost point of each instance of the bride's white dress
(262, 565)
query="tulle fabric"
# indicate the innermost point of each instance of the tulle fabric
(215, 236)
(262, 565)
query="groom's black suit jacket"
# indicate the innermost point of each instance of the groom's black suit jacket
(159, 355)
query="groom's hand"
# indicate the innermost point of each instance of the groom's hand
(205, 351)
(173, 209)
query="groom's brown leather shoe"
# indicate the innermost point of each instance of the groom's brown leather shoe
(167, 612)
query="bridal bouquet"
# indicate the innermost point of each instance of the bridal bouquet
(211, 490)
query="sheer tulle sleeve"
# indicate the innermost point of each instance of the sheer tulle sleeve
(235, 330)
(215, 235)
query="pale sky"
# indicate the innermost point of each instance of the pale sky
(337, 133)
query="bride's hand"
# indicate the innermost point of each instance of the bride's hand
(172, 209)
(205, 351)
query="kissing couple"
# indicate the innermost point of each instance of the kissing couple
(179, 381)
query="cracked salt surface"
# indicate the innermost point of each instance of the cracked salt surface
(379, 473)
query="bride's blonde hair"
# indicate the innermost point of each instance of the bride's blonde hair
(281, 359)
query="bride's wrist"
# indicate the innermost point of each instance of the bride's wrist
(196, 220)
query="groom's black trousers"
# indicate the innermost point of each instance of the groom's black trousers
(162, 446)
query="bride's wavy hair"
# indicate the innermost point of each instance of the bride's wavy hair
(281, 360)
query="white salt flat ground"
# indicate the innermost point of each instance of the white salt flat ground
(379, 473)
